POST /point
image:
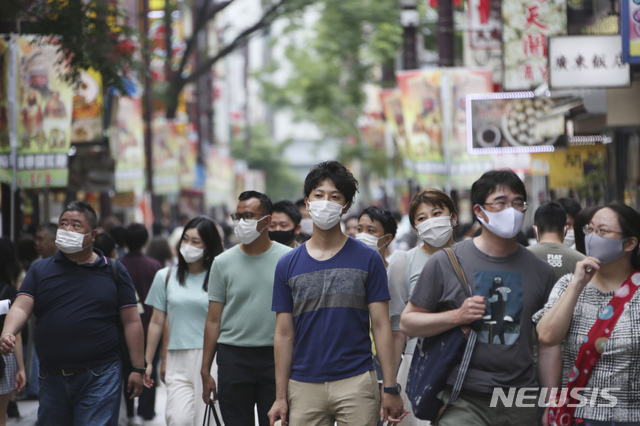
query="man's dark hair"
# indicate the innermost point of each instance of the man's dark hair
(492, 180)
(136, 236)
(337, 173)
(290, 209)
(300, 203)
(84, 208)
(265, 202)
(50, 228)
(386, 219)
(551, 217)
(105, 243)
(571, 206)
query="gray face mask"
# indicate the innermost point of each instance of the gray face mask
(606, 250)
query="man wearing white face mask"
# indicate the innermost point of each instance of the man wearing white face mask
(508, 284)
(240, 324)
(78, 303)
(325, 292)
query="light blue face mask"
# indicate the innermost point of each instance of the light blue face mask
(606, 250)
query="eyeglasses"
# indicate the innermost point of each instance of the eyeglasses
(517, 204)
(244, 216)
(588, 229)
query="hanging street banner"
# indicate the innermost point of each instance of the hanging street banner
(44, 106)
(219, 185)
(127, 143)
(166, 158)
(86, 125)
(630, 19)
(391, 100)
(526, 24)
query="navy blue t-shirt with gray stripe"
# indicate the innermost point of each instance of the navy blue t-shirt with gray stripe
(329, 302)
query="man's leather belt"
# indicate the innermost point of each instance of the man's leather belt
(69, 371)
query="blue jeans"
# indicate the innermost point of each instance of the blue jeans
(88, 398)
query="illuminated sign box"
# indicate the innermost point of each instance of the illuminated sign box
(586, 62)
(514, 122)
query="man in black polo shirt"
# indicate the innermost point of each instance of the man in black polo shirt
(78, 304)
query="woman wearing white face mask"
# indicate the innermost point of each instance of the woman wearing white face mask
(377, 228)
(432, 215)
(182, 297)
(597, 314)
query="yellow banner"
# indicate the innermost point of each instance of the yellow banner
(568, 168)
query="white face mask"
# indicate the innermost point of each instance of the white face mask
(325, 214)
(435, 231)
(505, 223)
(190, 253)
(69, 241)
(370, 240)
(247, 230)
(570, 238)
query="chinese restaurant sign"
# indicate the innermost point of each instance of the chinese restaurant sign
(587, 61)
(526, 24)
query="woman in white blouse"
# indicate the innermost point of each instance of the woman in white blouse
(582, 301)
(432, 215)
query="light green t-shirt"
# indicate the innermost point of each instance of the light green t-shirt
(186, 307)
(245, 285)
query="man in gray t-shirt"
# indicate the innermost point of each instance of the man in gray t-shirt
(550, 227)
(509, 284)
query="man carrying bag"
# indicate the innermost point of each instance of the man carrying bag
(508, 284)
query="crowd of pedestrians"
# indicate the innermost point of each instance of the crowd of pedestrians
(314, 316)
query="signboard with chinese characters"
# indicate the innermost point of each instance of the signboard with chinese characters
(526, 24)
(515, 122)
(485, 24)
(587, 61)
(569, 168)
(630, 19)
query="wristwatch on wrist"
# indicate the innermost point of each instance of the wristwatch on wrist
(395, 390)
(139, 370)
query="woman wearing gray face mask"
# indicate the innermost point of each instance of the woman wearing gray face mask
(597, 313)
(432, 215)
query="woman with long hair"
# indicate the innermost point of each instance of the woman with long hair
(432, 215)
(12, 374)
(596, 312)
(180, 294)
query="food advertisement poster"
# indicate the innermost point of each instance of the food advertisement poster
(516, 122)
(526, 24)
(127, 145)
(86, 125)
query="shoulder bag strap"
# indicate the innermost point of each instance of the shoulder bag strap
(471, 334)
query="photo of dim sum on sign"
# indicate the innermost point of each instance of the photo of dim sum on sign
(516, 122)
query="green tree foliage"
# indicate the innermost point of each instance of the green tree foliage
(281, 181)
(89, 34)
(331, 65)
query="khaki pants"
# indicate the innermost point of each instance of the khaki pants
(354, 401)
(473, 409)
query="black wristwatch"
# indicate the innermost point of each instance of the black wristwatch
(139, 370)
(395, 390)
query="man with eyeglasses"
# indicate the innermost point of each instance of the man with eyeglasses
(550, 227)
(240, 325)
(509, 284)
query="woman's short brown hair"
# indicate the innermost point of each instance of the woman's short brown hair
(432, 196)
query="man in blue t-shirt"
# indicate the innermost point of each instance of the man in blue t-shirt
(325, 293)
(78, 303)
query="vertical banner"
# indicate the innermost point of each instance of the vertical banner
(86, 125)
(630, 19)
(6, 172)
(392, 110)
(44, 115)
(526, 24)
(219, 186)
(127, 144)
(187, 140)
(166, 158)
